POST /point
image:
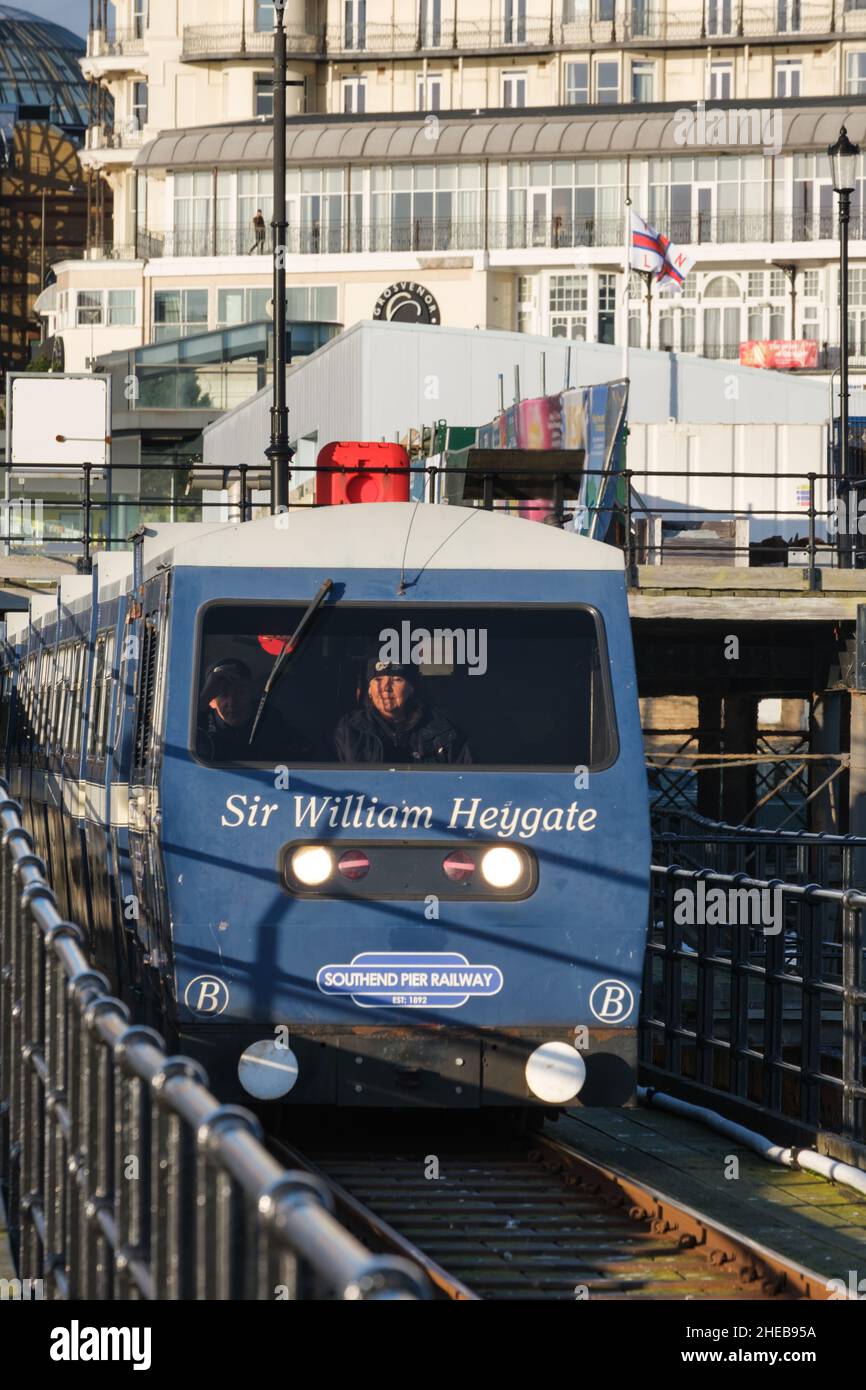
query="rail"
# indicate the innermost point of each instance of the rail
(123, 1176)
(445, 233)
(758, 1012)
(650, 532)
(638, 21)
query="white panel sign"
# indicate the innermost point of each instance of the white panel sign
(59, 419)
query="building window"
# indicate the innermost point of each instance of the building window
(242, 305)
(564, 203)
(721, 81)
(515, 21)
(430, 23)
(642, 79)
(811, 284)
(318, 214)
(606, 308)
(607, 84)
(139, 18)
(178, 312)
(811, 326)
(312, 303)
(355, 16)
(857, 74)
(264, 16)
(193, 198)
(264, 96)
(788, 16)
(568, 298)
(788, 79)
(138, 105)
(429, 91)
(722, 287)
(514, 89)
(88, 311)
(605, 9)
(720, 16)
(643, 14)
(354, 95)
(121, 308)
(576, 84)
(778, 284)
(434, 207)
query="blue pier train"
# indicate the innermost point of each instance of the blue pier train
(351, 801)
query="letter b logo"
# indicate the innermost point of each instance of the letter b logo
(611, 1001)
(207, 995)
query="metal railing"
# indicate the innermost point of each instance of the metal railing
(481, 234)
(804, 856)
(632, 21)
(123, 1176)
(638, 523)
(119, 44)
(762, 1024)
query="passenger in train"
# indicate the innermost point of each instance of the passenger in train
(393, 725)
(227, 710)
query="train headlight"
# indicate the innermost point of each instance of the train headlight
(502, 867)
(555, 1072)
(312, 865)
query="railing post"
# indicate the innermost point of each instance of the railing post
(813, 569)
(88, 468)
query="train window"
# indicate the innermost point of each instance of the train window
(142, 746)
(494, 686)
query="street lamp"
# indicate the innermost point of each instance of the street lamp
(843, 165)
(278, 452)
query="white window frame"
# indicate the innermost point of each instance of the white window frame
(355, 93)
(645, 70)
(518, 80)
(428, 91)
(92, 308)
(856, 86)
(617, 91)
(115, 323)
(721, 76)
(788, 78)
(570, 88)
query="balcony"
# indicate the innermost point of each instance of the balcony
(113, 52)
(640, 26)
(104, 145)
(495, 234)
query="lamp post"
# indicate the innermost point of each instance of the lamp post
(843, 159)
(278, 452)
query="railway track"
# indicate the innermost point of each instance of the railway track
(534, 1219)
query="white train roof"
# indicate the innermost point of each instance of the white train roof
(389, 535)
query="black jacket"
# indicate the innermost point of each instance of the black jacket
(364, 737)
(218, 742)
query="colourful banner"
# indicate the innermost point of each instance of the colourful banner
(782, 353)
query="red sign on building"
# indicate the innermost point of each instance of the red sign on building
(780, 353)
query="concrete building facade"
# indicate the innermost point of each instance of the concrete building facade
(479, 153)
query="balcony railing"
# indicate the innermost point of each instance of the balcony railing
(123, 44)
(127, 137)
(494, 234)
(636, 21)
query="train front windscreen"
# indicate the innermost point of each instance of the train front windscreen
(421, 685)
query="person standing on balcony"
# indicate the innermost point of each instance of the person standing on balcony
(258, 246)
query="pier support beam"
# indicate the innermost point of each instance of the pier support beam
(825, 736)
(709, 741)
(741, 736)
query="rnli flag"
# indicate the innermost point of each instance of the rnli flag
(675, 266)
(645, 245)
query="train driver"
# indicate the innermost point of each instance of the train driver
(393, 725)
(228, 703)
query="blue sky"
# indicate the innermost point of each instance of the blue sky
(72, 14)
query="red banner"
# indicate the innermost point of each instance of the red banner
(781, 353)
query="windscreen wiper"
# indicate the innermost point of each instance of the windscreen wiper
(289, 647)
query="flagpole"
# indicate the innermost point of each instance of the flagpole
(626, 273)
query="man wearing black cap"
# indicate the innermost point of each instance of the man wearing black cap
(394, 726)
(228, 705)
